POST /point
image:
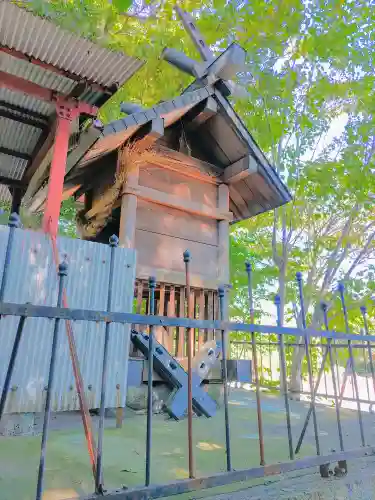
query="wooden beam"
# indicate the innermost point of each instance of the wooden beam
(201, 303)
(43, 147)
(26, 120)
(148, 134)
(240, 203)
(16, 154)
(181, 331)
(265, 169)
(128, 216)
(223, 252)
(171, 312)
(183, 169)
(169, 200)
(17, 195)
(11, 182)
(209, 109)
(191, 300)
(185, 165)
(152, 132)
(160, 332)
(181, 159)
(24, 111)
(223, 237)
(240, 170)
(175, 277)
(210, 313)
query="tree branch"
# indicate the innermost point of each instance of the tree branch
(361, 254)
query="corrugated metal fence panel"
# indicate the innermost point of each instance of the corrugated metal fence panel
(32, 278)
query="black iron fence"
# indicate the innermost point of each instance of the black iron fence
(325, 341)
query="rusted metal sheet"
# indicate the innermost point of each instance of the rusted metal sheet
(32, 278)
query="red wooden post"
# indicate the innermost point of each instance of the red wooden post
(66, 112)
(56, 179)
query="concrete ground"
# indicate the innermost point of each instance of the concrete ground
(68, 473)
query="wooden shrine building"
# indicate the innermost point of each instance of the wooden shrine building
(171, 178)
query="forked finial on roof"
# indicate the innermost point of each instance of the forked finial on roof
(214, 69)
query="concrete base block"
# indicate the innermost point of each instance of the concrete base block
(136, 398)
(18, 424)
(216, 391)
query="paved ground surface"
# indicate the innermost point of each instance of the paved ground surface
(358, 484)
(68, 472)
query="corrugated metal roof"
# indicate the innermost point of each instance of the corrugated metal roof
(12, 167)
(4, 193)
(26, 102)
(33, 279)
(18, 136)
(77, 58)
(36, 74)
(40, 38)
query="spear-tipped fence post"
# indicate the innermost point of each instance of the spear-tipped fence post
(284, 378)
(152, 286)
(350, 365)
(221, 293)
(190, 367)
(255, 364)
(11, 364)
(324, 308)
(63, 271)
(309, 366)
(113, 242)
(369, 347)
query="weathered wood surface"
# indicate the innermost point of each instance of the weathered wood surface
(176, 184)
(207, 172)
(178, 203)
(128, 216)
(165, 252)
(171, 300)
(176, 277)
(239, 170)
(171, 222)
(223, 237)
(201, 315)
(181, 331)
(171, 312)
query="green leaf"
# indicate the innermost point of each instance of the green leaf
(121, 5)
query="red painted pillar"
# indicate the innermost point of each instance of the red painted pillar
(57, 173)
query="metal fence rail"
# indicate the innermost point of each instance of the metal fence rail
(325, 342)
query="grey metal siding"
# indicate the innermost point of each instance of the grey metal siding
(32, 278)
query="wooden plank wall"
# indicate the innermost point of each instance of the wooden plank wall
(163, 233)
(170, 300)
